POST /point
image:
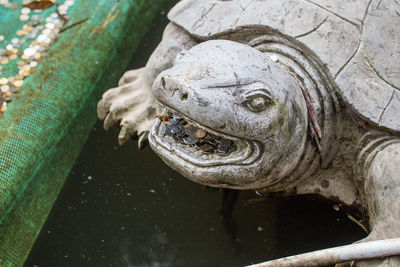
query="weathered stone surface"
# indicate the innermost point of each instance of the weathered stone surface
(370, 81)
(333, 35)
(350, 10)
(322, 30)
(219, 81)
(363, 90)
(381, 36)
(390, 114)
(327, 27)
(267, 93)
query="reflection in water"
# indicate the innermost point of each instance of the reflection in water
(229, 198)
(122, 207)
(157, 251)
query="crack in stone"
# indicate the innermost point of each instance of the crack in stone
(195, 25)
(366, 12)
(359, 42)
(384, 110)
(313, 30)
(380, 1)
(350, 59)
(377, 73)
(337, 15)
(241, 13)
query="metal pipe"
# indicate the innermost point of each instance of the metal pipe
(359, 251)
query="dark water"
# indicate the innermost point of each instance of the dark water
(122, 207)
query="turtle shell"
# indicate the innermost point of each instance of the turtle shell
(358, 41)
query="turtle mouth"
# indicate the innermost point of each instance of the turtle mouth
(174, 135)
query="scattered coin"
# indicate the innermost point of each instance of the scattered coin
(21, 32)
(18, 83)
(206, 148)
(29, 51)
(33, 40)
(33, 64)
(41, 38)
(3, 81)
(5, 88)
(200, 133)
(37, 56)
(8, 96)
(25, 10)
(174, 121)
(62, 9)
(168, 130)
(4, 61)
(27, 27)
(190, 130)
(14, 41)
(190, 140)
(24, 17)
(69, 3)
(176, 129)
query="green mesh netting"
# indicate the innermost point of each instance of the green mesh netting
(45, 126)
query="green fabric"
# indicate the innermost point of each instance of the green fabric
(47, 123)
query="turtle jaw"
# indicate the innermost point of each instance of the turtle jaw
(206, 168)
(246, 152)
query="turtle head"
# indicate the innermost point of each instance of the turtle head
(238, 118)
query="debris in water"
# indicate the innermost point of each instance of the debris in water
(39, 5)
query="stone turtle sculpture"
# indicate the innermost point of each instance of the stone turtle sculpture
(296, 97)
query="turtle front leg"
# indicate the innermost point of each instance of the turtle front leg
(380, 177)
(132, 105)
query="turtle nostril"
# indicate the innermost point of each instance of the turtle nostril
(184, 96)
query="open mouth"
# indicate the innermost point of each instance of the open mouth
(173, 134)
(185, 133)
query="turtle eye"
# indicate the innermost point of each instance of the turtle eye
(257, 101)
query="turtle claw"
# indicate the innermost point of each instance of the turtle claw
(102, 111)
(143, 140)
(131, 105)
(123, 136)
(109, 121)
